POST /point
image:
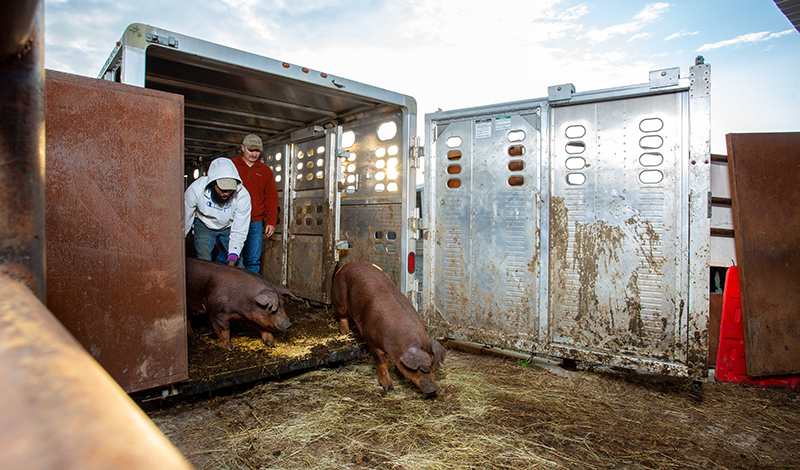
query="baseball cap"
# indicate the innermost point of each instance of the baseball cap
(226, 184)
(252, 142)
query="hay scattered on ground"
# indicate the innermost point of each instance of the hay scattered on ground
(314, 333)
(490, 413)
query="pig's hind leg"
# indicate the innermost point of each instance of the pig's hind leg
(341, 313)
(383, 369)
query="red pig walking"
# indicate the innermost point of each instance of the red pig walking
(388, 323)
(226, 293)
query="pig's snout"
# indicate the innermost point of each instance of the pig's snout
(426, 384)
(282, 322)
(430, 391)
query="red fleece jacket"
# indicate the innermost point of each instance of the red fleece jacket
(260, 183)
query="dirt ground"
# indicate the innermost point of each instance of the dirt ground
(490, 413)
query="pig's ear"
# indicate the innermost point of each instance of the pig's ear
(415, 358)
(267, 299)
(439, 353)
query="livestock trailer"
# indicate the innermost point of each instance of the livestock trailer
(574, 225)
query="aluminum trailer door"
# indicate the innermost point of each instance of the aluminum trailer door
(591, 241)
(482, 269)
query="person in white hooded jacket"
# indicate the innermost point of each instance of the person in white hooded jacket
(218, 206)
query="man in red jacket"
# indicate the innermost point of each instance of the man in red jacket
(259, 181)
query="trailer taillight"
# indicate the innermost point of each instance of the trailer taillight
(411, 263)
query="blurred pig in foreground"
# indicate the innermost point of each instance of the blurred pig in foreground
(226, 293)
(388, 323)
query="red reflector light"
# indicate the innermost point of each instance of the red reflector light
(324, 75)
(411, 263)
(305, 70)
(286, 65)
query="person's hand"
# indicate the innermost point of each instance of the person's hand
(269, 230)
(231, 262)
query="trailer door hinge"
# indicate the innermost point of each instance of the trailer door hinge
(416, 152)
(415, 225)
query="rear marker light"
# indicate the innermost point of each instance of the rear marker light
(411, 263)
(305, 70)
(286, 65)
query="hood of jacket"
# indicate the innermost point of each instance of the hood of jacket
(222, 168)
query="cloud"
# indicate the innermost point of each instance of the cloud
(650, 13)
(639, 36)
(680, 34)
(447, 21)
(751, 38)
(607, 57)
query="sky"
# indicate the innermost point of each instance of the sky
(453, 54)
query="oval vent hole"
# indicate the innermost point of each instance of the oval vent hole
(516, 165)
(651, 125)
(576, 147)
(575, 132)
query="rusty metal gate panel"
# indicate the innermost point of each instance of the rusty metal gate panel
(115, 248)
(485, 281)
(618, 227)
(764, 173)
(575, 225)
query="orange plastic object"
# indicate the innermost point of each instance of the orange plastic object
(730, 354)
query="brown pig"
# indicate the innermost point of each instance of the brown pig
(388, 323)
(226, 293)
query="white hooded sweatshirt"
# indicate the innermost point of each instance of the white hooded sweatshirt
(234, 214)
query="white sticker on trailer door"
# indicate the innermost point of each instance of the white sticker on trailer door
(502, 123)
(483, 128)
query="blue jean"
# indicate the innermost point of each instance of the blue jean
(251, 252)
(205, 239)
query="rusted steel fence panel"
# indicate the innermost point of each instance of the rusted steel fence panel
(61, 410)
(115, 249)
(764, 172)
(21, 144)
